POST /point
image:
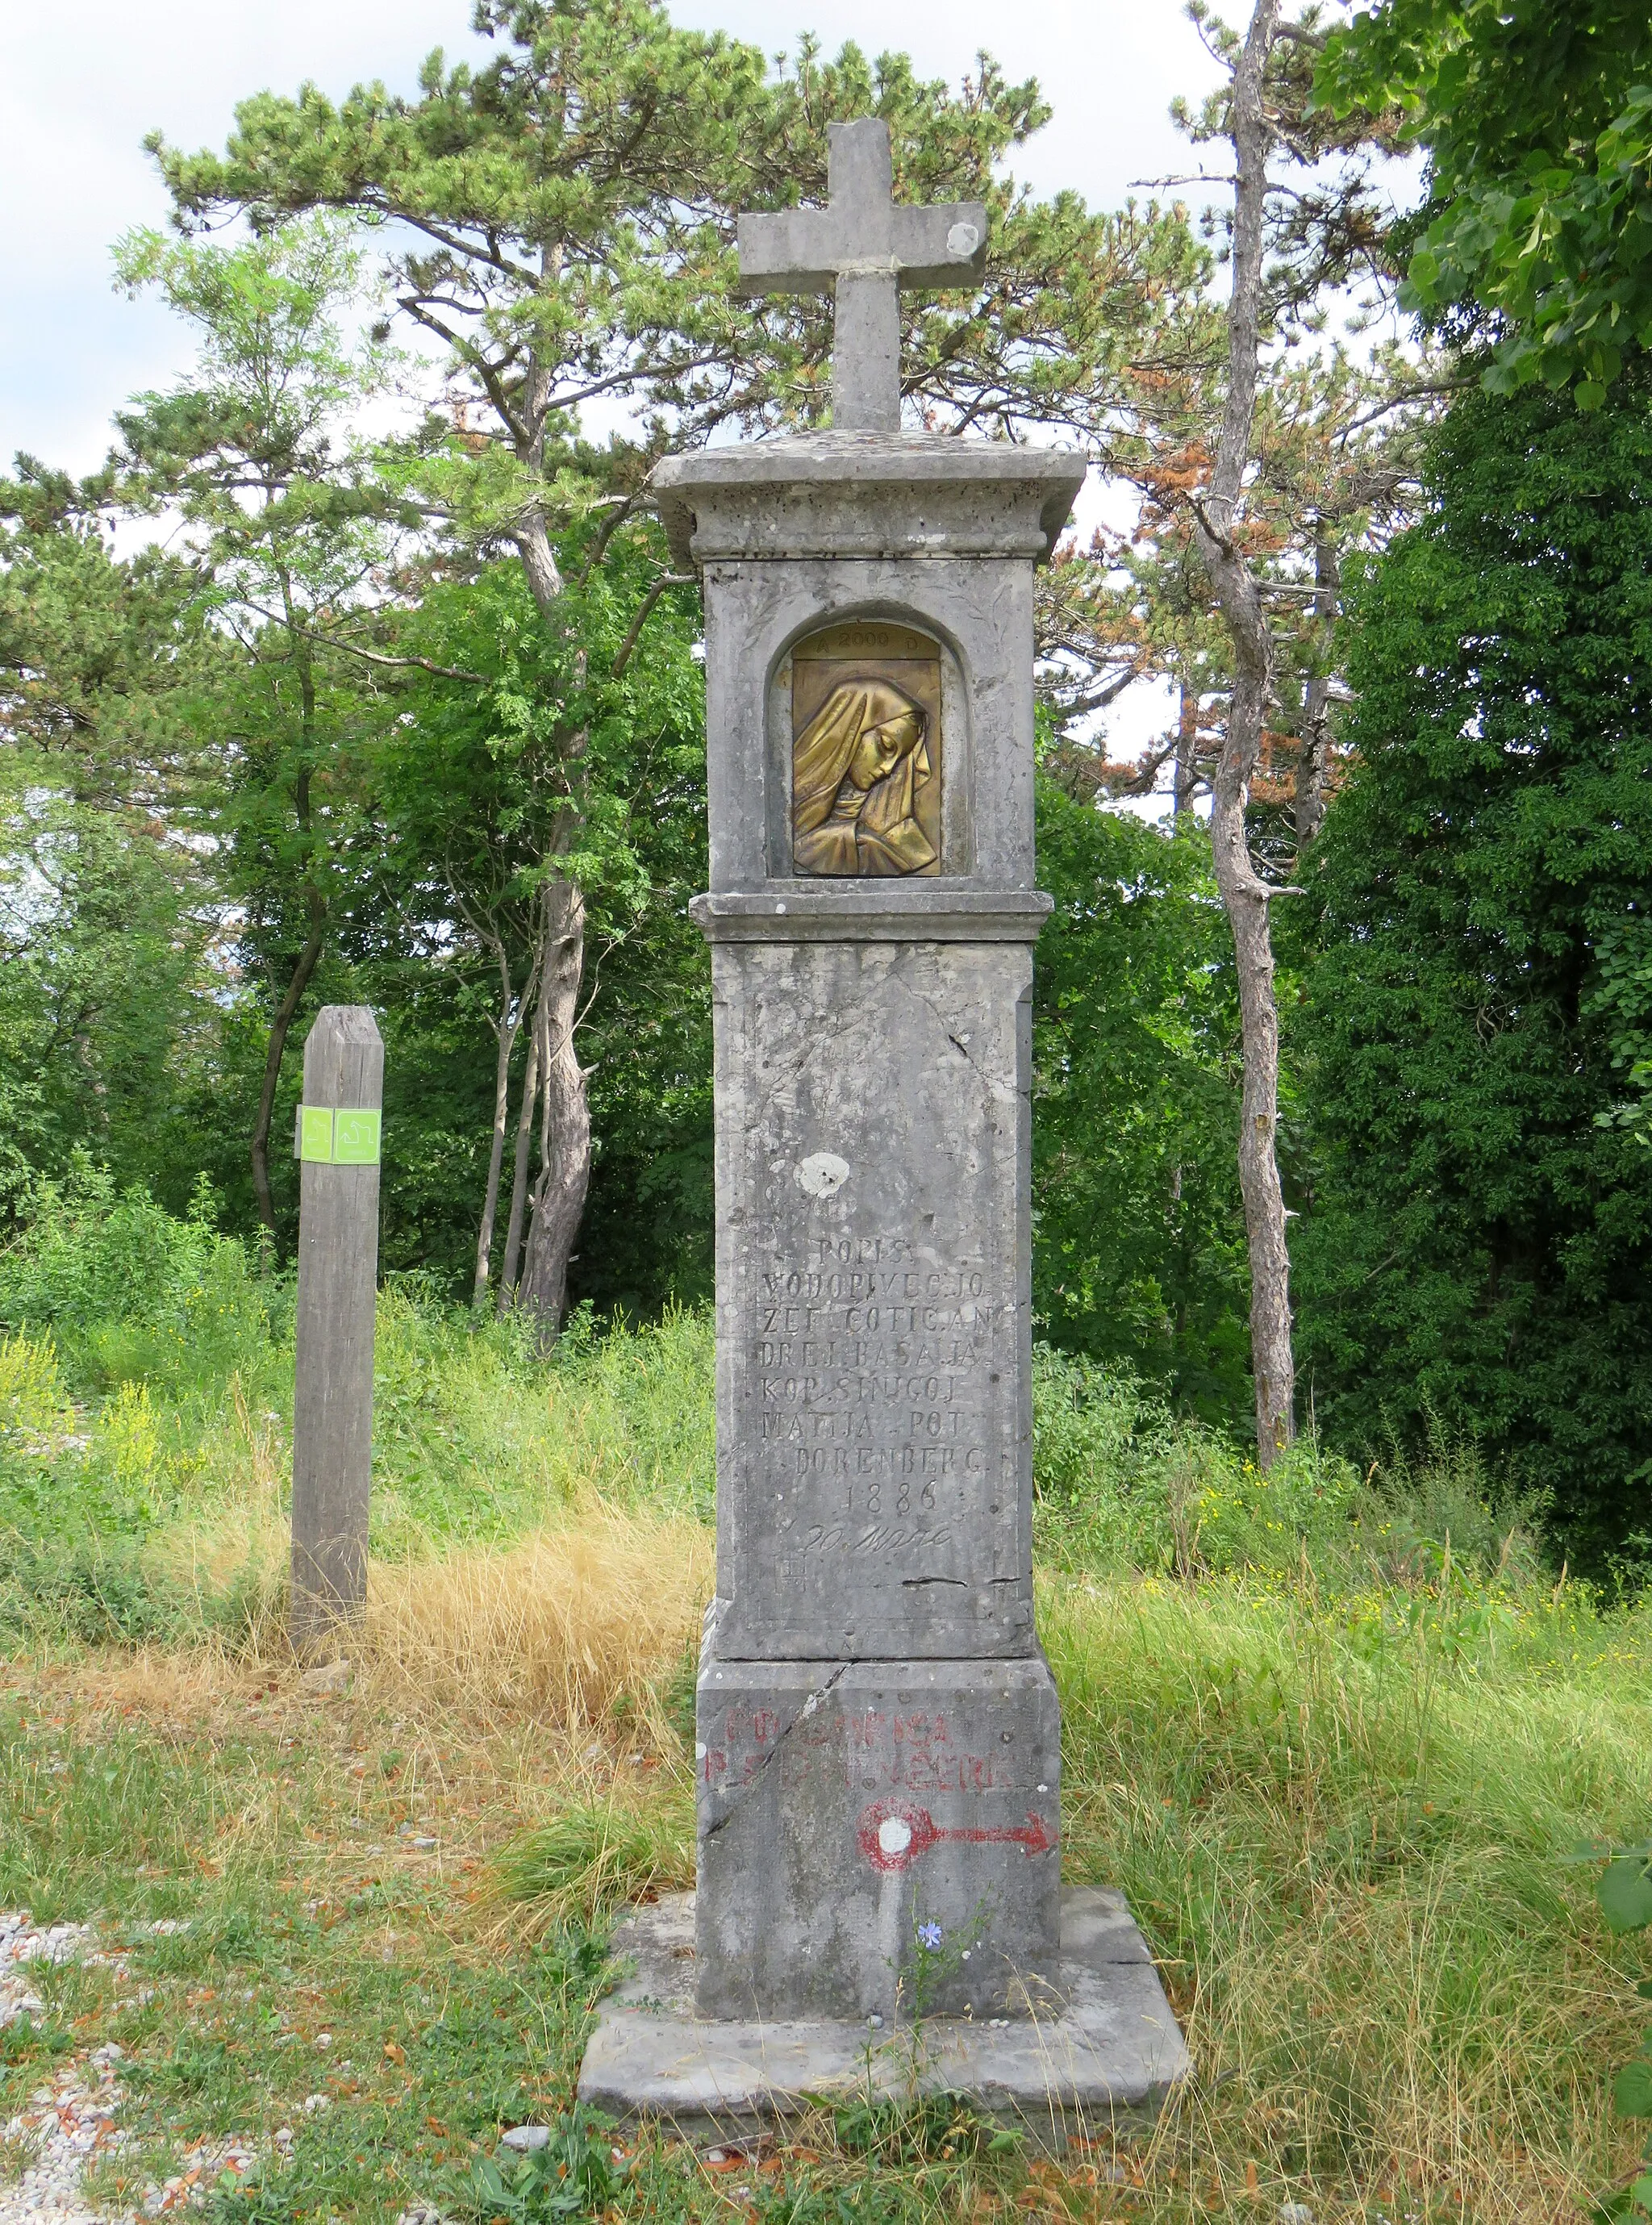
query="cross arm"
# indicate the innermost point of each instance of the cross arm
(804, 250)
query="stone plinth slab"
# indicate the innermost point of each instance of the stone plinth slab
(845, 1805)
(1098, 2045)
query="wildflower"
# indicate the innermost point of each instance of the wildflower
(929, 1936)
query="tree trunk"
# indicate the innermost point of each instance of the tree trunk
(505, 1029)
(279, 1027)
(559, 1196)
(519, 1173)
(565, 1172)
(1181, 796)
(1312, 772)
(1245, 896)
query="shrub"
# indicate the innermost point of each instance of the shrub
(131, 1292)
(593, 1857)
(1625, 1896)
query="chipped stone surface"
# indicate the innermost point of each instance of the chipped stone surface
(1104, 2047)
(867, 492)
(875, 1445)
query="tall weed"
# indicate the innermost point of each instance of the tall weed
(131, 1292)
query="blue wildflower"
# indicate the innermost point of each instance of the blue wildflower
(929, 1936)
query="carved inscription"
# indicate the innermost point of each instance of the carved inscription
(872, 1750)
(872, 1371)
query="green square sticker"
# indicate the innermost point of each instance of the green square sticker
(356, 1137)
(315, 1133)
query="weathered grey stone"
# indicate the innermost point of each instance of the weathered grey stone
(526, 2139)
(874, 1477)
(926, 911)
(918, 1794)
(867, 248)
(1104, 2050)
(875, 494)
(874, 1242)
(879, 1735)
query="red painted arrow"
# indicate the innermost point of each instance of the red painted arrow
(892, 1833)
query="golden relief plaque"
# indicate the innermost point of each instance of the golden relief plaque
(866, 751)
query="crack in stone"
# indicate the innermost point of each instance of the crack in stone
(899, 972)
(737, 1800)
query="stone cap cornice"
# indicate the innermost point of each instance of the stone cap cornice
(875, 911)
(866, 495)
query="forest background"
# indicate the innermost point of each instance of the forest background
(394, 699)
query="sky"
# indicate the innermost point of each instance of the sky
(79, 88)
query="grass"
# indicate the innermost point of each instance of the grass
(1335, 1736)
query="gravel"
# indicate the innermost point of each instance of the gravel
(71, 2123)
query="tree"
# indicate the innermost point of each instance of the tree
(475, 784)
(252, 455)
(1212, 437)
(106, 987)
(556, 232)
(110, 999)
(565, 229)
(1139, 1244)
(1479, 1231)
(1537, 235)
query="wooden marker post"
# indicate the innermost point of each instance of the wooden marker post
(338, 1145)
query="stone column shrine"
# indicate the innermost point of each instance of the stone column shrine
(878, 1738)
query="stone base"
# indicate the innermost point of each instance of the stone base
(1100, 2046)
(845, 1806)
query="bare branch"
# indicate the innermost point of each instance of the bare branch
(667, 579)
(370, 655)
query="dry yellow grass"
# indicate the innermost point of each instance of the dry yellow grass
(556, 1627)
(1345, 1823)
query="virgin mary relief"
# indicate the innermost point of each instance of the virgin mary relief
(866, 753)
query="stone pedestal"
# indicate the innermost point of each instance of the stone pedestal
(878, 1733)
(1098, 2053)
(849, 1807)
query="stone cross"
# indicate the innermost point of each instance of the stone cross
(866, 247)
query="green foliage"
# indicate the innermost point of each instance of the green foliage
(592, 1857)
(1537, 119)
(472, 790)
(1339, 1825)
(106, 996)
(573, 2174)
(477, 1440)
(1624, 1891)
(577, 197)
(1139, 1245)
(1475, 1245)
(1121, 1484)
(1620, 998)
(131, 1292)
